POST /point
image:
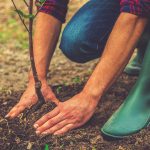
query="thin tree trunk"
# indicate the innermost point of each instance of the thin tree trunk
(38, 84)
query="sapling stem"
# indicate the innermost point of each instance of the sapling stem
(22, 20)
(31, 17)
(38, 84)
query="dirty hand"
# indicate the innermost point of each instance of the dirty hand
(29, 98)
(67, 115)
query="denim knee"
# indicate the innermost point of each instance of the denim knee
(85, 36)
(70, 45)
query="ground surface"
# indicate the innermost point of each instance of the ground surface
(18, 134)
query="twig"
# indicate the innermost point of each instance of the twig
(26, 3)
(40, 8)
(22, 20)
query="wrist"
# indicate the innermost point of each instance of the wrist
(93, 100)
(42, 78)
(32, 82)
(94, 94)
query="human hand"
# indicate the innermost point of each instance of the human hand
(29, 98)
(67, 115)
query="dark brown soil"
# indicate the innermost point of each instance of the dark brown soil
(18, 134)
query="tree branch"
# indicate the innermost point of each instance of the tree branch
(26, 3)
(40, 8)
(22, 20)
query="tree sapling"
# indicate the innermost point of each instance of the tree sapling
(30, 16)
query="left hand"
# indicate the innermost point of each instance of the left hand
(67, 115)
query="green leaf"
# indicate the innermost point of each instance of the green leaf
(22, 14)
(46, 147)
(42, 1)
(58, 90)
(38, 4)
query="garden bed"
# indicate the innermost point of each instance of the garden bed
(18, 134)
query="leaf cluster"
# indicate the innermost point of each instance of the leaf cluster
(38, 3)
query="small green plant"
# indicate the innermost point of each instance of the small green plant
(58, 90)
(46, 147)
(76, 80)
(30, 17)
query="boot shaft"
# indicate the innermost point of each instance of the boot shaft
(143, 42)
(144, 78)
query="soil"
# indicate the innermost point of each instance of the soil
(18, 134)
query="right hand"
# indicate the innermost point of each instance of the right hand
(29, 98)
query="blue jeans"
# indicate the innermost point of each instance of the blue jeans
(85, 36)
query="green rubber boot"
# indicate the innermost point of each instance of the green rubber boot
(134, 114)
(134, 67)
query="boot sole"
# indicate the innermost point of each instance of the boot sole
(121, 137)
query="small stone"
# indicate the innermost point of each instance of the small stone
(96, 139)
(121, 148)
(29, 147)
(5, 103)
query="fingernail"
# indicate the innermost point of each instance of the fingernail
(36, 126)
(44, 133)
(6, 116)
(56, 133)
(13, 115)
(37, 132)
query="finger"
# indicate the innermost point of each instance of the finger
(50, 123)
(64, 129)
(19, 110)
(11, 111)
(55, 128)
(16, 111)
(46, 117)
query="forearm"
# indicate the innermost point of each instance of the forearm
(117, 53)
(46, 35)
